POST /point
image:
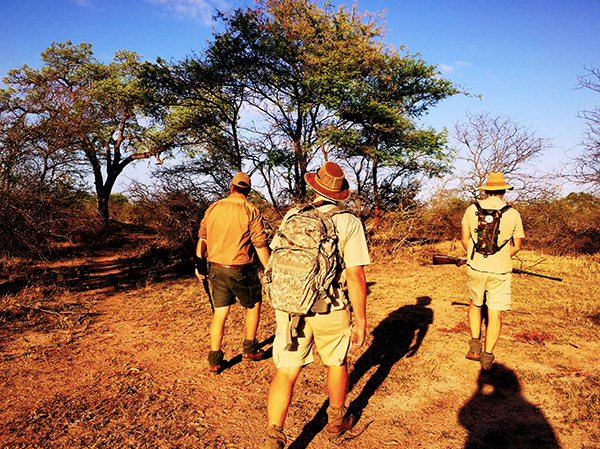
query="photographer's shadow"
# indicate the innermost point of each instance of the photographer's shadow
(498, 416)
(399, 335)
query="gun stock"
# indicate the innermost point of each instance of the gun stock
(438, 259)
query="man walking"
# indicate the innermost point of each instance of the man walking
(333, 332)
(231, 230)
(489, 266)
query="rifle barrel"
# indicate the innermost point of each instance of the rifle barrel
(515, 270)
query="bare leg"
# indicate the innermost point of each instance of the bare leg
(280, 394)
(217, 327)
(474, 315)
(252, 319)
(493, 329)
(337, 385)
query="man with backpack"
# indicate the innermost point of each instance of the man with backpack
(320, 251)
(230, 232)
(491, 234)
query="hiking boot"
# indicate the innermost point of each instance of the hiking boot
(254, 357)
(251, 353)
(214, 369)
(475, 347)
(215, 361)
(339, 421)
(275, 438)
(486, 360)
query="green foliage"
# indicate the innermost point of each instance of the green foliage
(76, 112)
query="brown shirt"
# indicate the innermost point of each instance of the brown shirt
(231, 227)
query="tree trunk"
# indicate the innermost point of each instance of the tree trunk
(377, 200)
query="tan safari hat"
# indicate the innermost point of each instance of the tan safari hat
(330, 182)
(241, 180)
(495, 181)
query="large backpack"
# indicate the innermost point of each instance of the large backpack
(488, 230)
(304, 263)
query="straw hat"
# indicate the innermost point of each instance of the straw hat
(330, 182)
(495, 181)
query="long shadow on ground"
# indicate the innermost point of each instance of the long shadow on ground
(498, 416)
(399, 335)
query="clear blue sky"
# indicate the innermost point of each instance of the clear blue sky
(522, 56)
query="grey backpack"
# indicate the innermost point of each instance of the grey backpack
(304, 263)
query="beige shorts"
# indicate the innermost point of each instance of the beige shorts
(329, 332)
(495, 288)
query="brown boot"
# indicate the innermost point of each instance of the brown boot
(486, 359)
(475, 347)
(275, 438)
(251, 352)
(339, 421)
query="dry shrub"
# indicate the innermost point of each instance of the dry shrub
(36, 221)
(419, 224)
(569, 225)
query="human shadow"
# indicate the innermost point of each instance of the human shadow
(498, 416)
(399, 335)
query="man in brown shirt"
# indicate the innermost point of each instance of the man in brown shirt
(231, 230)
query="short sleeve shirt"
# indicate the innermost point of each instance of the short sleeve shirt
(231, 227)
(511, 226)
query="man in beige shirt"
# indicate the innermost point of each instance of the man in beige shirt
(231, 230)
(489, 275)
(342, 327)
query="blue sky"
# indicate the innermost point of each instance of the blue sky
(522, 56)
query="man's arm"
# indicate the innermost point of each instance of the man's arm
(263, 255)
(515, 246)
(465, 235)
(200, 254)
(357, 293)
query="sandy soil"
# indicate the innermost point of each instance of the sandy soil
(122, 364)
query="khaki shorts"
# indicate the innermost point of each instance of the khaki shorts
(329, 332)
(495, 288)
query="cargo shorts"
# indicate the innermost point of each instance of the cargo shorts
(328, 332)
(494, 288)
(229, 283)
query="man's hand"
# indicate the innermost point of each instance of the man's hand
(201, 277)
(357, 337)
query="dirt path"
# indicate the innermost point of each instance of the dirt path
(130, 371)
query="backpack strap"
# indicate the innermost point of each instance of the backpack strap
(504, 209)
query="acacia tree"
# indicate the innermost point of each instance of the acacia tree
(587, 166)
(202, 99)
(298, 59)
(492, 143)
(379, 124)
(94, 113)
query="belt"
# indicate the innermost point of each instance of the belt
(233, 267)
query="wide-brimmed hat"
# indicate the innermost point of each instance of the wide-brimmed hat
(495, 181)
(330, 182)
(242, 180)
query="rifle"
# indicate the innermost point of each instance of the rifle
(445, 260)
(201, 266)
